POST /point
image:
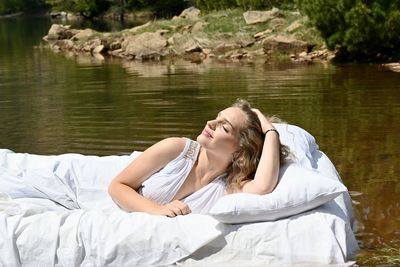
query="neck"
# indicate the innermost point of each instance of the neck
(210, 166)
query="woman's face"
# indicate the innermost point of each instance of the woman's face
(221, 135)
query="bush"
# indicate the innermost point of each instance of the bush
(86, 8)
(361, 30)
(96, 8)
(208, 5)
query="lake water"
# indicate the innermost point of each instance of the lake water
(52, 103)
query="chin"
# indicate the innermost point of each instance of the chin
(202, 140)
(199, 138)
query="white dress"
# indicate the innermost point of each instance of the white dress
(162, 186)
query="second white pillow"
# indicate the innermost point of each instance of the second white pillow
(299, 189)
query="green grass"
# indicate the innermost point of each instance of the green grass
(231, 21)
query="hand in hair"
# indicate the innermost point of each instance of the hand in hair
(265, 123)
(266, 176)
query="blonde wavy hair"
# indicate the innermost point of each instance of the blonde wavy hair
(251, 140)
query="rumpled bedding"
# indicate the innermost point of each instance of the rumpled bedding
(55, 211)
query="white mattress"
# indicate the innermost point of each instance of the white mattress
(54, 210)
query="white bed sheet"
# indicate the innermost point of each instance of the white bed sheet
(80, 225)
(31, 235)
(321, 237)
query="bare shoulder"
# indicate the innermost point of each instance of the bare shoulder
(174, 144)
(168, 148)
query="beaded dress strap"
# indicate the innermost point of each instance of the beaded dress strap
(193, 150)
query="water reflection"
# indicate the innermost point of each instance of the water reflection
(51, 103)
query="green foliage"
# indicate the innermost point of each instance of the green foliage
(168, 8)
(86, 8)
(95, 8)
(163, 8)
(208, 5)
(358, 29)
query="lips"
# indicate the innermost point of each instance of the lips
(207, 133)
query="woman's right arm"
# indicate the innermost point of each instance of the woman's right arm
(123, 188)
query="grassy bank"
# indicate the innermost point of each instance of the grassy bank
(231, 21)
(233, 34)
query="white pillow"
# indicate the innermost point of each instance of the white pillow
(299, 189)
(301, 143)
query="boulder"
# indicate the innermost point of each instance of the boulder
(148, 45)
(184, 43)
(277, 23)
(59, 32)
(283, 44)
(262, 34)
(253, 17)
(294, 26)
(65, 45)
(198, 26)
(83, 35)
(224, 47)
(244, 39)
(115, 45)
(190, 13)
(98, 49)
(116, 53)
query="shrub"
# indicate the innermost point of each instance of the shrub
(361, 30)
(208, 5)
(86, 8)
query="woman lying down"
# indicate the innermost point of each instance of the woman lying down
(238, 151)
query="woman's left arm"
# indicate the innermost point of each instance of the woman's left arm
(266, 177)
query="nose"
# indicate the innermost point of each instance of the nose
(211, 124)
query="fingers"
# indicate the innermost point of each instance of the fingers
(265, 123)
(176, 208)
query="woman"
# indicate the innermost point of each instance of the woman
(238, 151)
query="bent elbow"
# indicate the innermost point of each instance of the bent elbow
(111, 189)
(266, 189)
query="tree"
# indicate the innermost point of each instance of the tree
(86, 8)
(362, 30)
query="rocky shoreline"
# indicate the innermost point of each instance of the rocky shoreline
(268, 35)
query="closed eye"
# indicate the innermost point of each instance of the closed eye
(223, 125)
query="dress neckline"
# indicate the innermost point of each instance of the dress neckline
(193, 153)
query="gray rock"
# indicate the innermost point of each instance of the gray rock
(59, 32)
(198, 26)
(83, 35)
(253, 17)
(115, 46)
(184, 43)
(194, 48)
(223, 48)
(244, 39)
(190, 13)
(263, 34)
(117, 53)
(283, 44)
(294, 26)
(98, 49)
(277, 23)
(148, 45)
